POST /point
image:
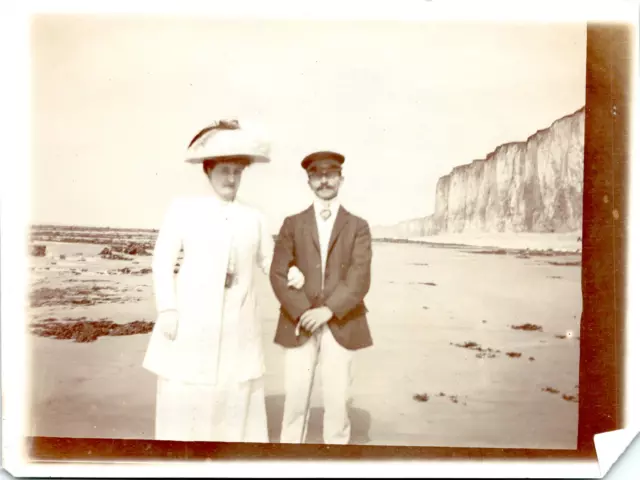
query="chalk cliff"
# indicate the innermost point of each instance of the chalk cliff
(530, 186)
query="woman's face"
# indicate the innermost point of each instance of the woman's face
(225, 179)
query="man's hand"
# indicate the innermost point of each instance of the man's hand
(168, 321)
(295, 278)
(314, 318)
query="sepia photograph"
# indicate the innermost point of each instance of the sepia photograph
(336, 233)
(454, 178)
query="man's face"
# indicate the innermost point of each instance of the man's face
(225, 178)
(325, 179)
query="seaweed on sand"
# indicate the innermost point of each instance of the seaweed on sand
(82, 330)
(530, 327)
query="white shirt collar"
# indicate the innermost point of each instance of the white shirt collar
(333, 205)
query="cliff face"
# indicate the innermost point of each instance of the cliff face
(532, 186)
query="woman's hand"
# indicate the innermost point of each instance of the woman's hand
(295, 278)
(168, 322)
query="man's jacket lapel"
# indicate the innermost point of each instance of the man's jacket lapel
(341, 220)
(311, 228)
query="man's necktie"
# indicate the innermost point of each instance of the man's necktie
(325, 214)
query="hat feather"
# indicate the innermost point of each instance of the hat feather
(226, 138)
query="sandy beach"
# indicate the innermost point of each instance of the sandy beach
(448, 368)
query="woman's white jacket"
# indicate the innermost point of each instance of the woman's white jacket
(201, 227)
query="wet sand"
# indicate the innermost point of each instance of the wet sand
(418, 385)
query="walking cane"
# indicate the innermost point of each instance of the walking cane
(307, 410)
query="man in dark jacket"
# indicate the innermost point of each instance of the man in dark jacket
(324, 322)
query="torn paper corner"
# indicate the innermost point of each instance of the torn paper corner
(610, 445)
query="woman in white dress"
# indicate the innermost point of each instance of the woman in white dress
(206, 347)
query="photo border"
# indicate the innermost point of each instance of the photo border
(601, 391)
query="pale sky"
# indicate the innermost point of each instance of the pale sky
(117, 99)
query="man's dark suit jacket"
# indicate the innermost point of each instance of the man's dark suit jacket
(347, 277)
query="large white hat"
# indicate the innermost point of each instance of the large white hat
(227, 138)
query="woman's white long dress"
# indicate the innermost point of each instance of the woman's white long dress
(229, 411)
(210, 385)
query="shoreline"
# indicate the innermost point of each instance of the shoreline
(512, 243)
(498, 247)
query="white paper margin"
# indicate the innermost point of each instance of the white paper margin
(15, 127)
